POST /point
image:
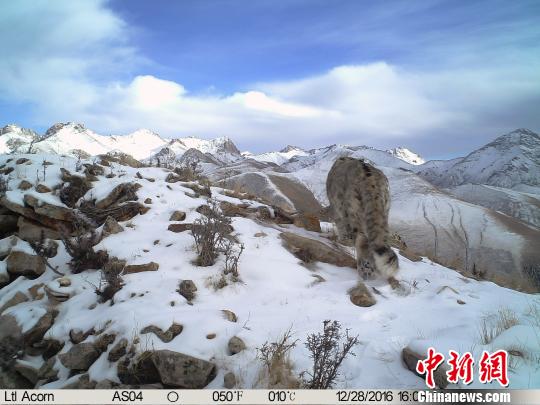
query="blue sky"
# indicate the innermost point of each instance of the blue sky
(440, 77)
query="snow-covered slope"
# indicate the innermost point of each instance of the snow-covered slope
(407, 155)
(276, 293)
(510, 161)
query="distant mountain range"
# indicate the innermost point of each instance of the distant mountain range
(479, 211)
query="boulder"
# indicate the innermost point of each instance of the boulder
(17, 299)
(103, 341)
(31, 231)
(411, 357)
(36, 333)
(47, 372)
(82, 383)
(187, 289)
(361, 297)
(235, 345)
(138, 370)
(123, 212)
(310, 250)
(111, 227)
(138, 268)
(177, 228)
(42, 188)
(177, 216)
(233, 210)
(118, 350)
(121, 193)
(77, 336)
(183, 371)
(10, 379)
(165, 336)
(31, 214)
(48, 210)
(80, 357)
(24, 185)
(22, 263)
(8, 224)
(308, 221)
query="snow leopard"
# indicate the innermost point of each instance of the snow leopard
(359, 201)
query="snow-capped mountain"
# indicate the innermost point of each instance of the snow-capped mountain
(406, 155)
(16, 139)
(280, 157)
(510, 161)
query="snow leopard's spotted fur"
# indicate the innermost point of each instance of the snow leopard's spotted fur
(360, 200)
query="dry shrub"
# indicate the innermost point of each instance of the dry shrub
(327, 352)
(210, 233)
(493, 325)
(81, 246)
(232, 252)
(111, 280)
(277, 371)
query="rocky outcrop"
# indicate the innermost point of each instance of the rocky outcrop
(310, 250)
(48, 210)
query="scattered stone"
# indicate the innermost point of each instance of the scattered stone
(94, 170)
(177, 216)
(8, 225)
(17, 299)
(80, 357)
(211, 336)
(187, 289)
(148, 201)
(233, 210)
(138, 370)
(460, 302)
(76, 187)
(235, 345)
(118, 350)
(20, 161)
(31, 231)
(121, 193)
(22, 263)
(64, 281)
(47, 372)
(55, 294)
(24, 185)
(49, 347)
(111, 227)
(138, 268)
(172, 178)
(10, 379)
(103, 341)
(177, 228)
(360, 296)
(183, 371)
(27, 371)
(34, 291)
(229, 380)
(83, 383)
(77, 336)
(308, 221)
(48, 210)
(174, 330)
(105, 385)
(229, 315)
(260, 235)
(36, 333)
(309, 250)
(411, 358)
(42, 188)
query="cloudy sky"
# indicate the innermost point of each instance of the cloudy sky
(440, 77)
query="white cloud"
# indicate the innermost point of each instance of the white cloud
(69, 61)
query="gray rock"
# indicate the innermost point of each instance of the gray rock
(31, 231)
(24, 185)
(177, 216)
(42, 188)
(229, 315)
(139, 370)
(229, 380)
(111, 227)
(22, 263)
(10, 379)
(48, 210)
(235, 345)
(36, 333)
(187, 289)
(47, 372)
(27, 371)
(138, 268)
(360, 296)
(411, 358)
(165, 336)
(17, 299)
(118, 350)
(80, 357)
(183, 371)
(83, 383)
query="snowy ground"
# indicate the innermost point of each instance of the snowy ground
(276, 293)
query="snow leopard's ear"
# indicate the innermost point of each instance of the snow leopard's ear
(386, 261)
